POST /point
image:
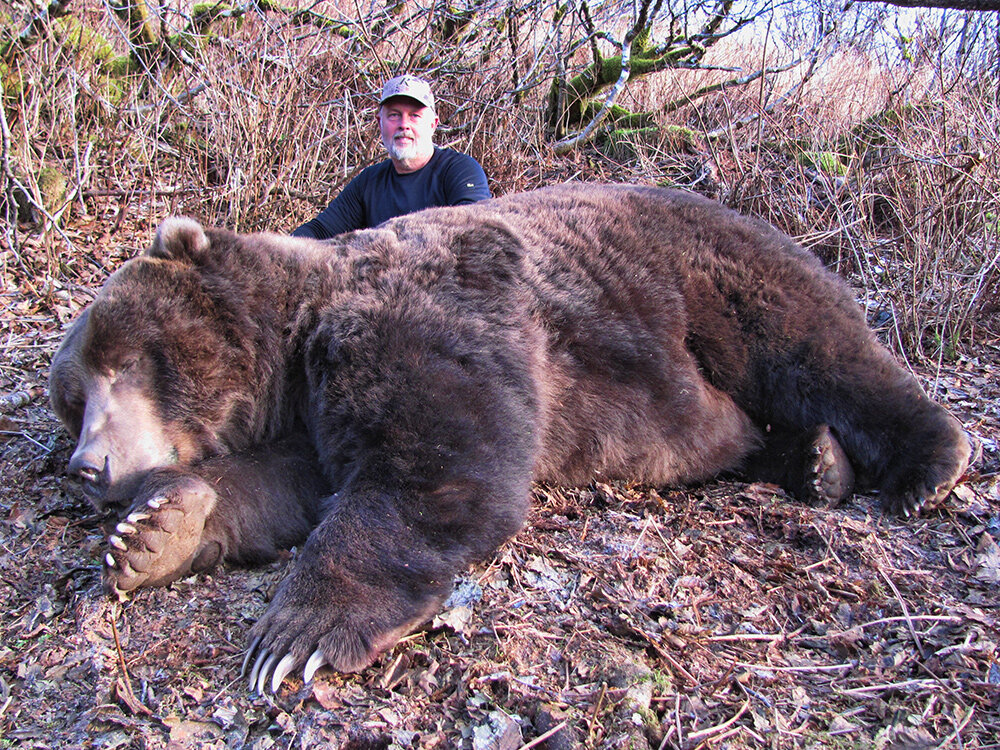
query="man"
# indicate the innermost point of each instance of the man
(416, 175)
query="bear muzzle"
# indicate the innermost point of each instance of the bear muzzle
(94, 475)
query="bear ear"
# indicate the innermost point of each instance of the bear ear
(179, 238)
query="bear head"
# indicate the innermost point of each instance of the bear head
(157, 369)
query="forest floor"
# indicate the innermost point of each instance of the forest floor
(724, 616)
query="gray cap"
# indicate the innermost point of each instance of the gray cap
(410, 86)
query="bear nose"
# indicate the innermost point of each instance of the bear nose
(87, 467)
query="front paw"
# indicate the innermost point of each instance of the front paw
(160, 539)
(314, 622)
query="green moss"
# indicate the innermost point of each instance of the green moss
(881, 128)
(210, 9)
(182, 136)
(8, 32)
(828, 162)
(905, 44)
(187, 40)
(632, 134)
(661, 680)
(681, 139)
(205, 14)
(142, 33)
(114, 88)
(619, 117)
(11, 81)
(122, 66)
(82, 41)
(626, 143)
(52, 186)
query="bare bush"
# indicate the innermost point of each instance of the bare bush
(879, 154)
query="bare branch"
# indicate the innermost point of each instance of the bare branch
(956, 4)
(814, 65)
(728, 84)
(33, 28)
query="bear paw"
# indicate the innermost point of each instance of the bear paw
(829, 477)
(160, 539)
(926, 485)
(313, 631)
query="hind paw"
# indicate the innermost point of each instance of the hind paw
(829, 477)
(927, 485)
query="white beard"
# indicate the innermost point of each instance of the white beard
(405, 153)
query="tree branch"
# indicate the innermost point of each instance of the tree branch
(712, 88)
(956, 4)
(568, 144)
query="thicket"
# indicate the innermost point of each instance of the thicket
(872, 137)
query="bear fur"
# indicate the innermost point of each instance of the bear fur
(389, 396)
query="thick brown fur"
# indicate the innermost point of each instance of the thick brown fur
(392, 393)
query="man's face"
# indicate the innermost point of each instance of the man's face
(407, 128)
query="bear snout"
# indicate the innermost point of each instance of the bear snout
(94, 473)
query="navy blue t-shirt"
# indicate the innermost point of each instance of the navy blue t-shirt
(380, 193)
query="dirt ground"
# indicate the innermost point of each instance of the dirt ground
(720, 616)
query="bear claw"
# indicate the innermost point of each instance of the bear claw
(264, 661)
(261, 673)
(252, 682)
(281, 670)
(264, 669)
(160, 539)
(249, 655)
(315, 662)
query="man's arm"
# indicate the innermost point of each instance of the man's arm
(466, 181)
(345, 213)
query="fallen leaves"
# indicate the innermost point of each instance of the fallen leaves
(987, 560)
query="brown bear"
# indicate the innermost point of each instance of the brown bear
(390, 395)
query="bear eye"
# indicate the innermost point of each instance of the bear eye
(70, 409)
(127, 366)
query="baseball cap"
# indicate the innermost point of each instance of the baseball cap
(411, 86)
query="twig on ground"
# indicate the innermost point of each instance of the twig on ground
(958, 730)
(124, 683)
(542, 737)
(886, 686)
(707, 732)
(906, 613)
(13, 401)
(592, 731)
(810, 668)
